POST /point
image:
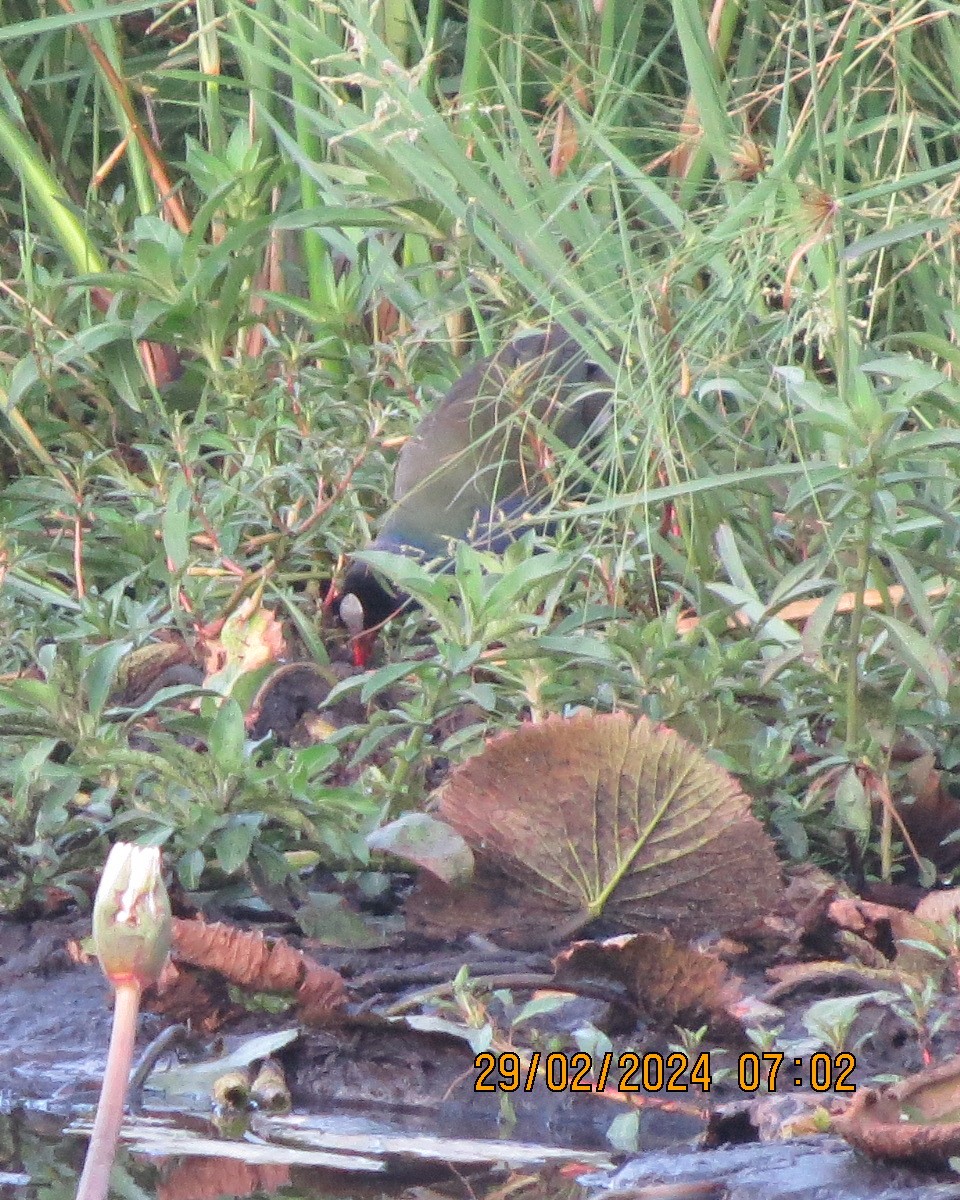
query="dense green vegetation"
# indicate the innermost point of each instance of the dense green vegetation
(246, 245)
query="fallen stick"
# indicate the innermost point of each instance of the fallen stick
(801, 610)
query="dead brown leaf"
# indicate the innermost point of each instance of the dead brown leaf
(191, 996)
(492, 905)
(605, 814)
(565, 142)
(251, 961)
(163, 663)
(820, 975)
(671, 983)
(285, 696)
(939, 908)
(916, 1120)
(931, 812)
(889, 929)
(802, 917)
(879, 924)
(249, 638)
(920, 796)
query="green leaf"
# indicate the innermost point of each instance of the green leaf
(818, 408)
(816, 625)
(914, 591)
(623, 1132)
(852, 806)
(227, 737)
(729, 555)
(190, 869)
(232, 845)
(431, 844)
(522, 578)
(47, 24)
(377, 681)
(886, 238)
(27, 695)
(919, 654)
(540, 1006)
(155, 262)
(176, 523)
(100, 675)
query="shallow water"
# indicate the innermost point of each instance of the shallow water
(189, 1158)
(52, 1045)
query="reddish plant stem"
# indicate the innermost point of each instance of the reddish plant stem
(95, 1180)
(173, 206)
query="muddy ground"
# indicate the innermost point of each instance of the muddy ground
(55, 1028)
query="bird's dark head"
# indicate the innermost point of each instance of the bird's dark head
(363, 604)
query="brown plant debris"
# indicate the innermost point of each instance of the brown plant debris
(823, 974)
(211, 1178)
(939, 908)
(930, 811)
(285, 696)
(290, 700)
(802, 919)
(189, 995)
(670, 983)
(492, 905)
(260, 964)
(251, 637)
(605, 814)
(916, 1120)
(161, 664)
(898, 935)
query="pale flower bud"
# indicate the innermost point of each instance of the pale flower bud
(131, 916)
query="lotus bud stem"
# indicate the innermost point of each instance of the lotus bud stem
(131, 933)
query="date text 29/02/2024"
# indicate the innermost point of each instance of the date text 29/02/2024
(769, 1071)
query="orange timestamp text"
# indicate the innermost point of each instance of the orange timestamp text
(767, 1071)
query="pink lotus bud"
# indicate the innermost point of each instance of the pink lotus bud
(131, 916)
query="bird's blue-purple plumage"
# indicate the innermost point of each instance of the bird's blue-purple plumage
(471, 470)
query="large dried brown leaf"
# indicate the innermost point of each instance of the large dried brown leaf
(493, 906)
(605, 814)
